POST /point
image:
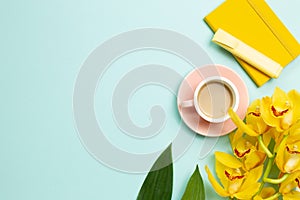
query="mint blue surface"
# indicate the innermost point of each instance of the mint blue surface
(42, 47)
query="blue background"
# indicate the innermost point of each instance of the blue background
(42, 47)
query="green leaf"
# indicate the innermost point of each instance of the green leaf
(195, 187)
(159, 181)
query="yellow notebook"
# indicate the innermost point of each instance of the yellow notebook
(253, 22)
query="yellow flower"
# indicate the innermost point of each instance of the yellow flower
(246, 149)
(281, 110)
(235, 181)
(254, 118)
(255, 124)
(288, 154)
(265, 193)
(287, 187)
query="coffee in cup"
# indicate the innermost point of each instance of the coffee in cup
(212, 99)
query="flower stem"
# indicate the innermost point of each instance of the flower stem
(276, 181)
(281, 143)
(263, 146)
(266, 173)
(275, 196)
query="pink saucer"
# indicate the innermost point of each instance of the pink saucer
(186, 92)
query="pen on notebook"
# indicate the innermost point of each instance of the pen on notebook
(250, 55)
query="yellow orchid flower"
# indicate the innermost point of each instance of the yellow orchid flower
(265, 193)
(281, 110)
(288, 187)
(288, 154)
(255, 125)
(235, 181)
(246, 149)
(254, 118)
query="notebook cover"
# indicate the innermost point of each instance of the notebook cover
(253, 22)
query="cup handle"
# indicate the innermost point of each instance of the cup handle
(186, 104)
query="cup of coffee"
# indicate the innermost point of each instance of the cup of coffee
(212, 99)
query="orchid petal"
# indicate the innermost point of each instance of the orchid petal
(250, 185)
(267, 115)
(228, 160)
(234, 186)
(253, 176)
(280, 155)
(267, 137)
(295, 129)
(287, 121)
(254, 119)
(254, 159)
(218, 188)
(292, 162)
(249, 192)
(295, 98)
(235, 136)
(280, 100)
(267, 192)
(240, 124)
(220, 171)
